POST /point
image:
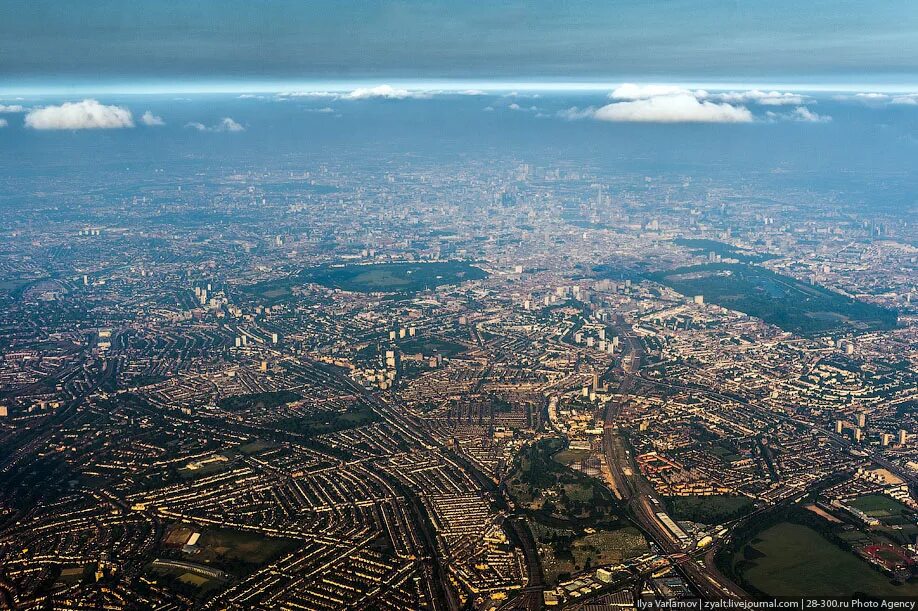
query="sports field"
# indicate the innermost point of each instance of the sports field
(878, 506)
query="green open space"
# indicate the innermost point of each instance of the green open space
(395, 277)
(779, 300)
(73, 574)
(791, 559)
(569, 457)
(711, 509)
(429, 346)
(237, 552)
(255, 446)
(372, 278)
(563, 551)
(556, 495)
(260, 401)
(879, 506)
(228, 548)
(185, 581)
(324, 422)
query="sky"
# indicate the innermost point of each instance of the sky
(48, 45)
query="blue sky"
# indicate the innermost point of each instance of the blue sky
(46, 44)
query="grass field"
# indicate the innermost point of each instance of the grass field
(396, 277)
(73, 574)
(372, 278)
(780, 300)
(229, 548)
(324, 422)
(193, 579)
(259, 401)
(191, 584)
(714, 509)
(429, 346)
(569, 457)
(794, 560)
(255, 446)
(879, 506)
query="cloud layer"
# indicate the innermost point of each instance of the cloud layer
(801, 114)
(674, 104)
(765, 98)
(151, 120)
(88, 114)
(678, 108)
(226, 124)
(384, 91)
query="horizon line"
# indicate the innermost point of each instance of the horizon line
(191, 87)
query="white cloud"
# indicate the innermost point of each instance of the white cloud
(225, 125)
(308, 94)
(151, 120)
(12, 108)
(875, 99)
(633, 92)
(387, 92)
(801, 114)
(324, 110)
(517, 107)
(681, 107)
(88, 114)
(4, 123)
(662, 103)
(517, 94)
(228, 125)
(765, 98)
(872, 96)
(384, 91)
(910, 99)
(575, 114)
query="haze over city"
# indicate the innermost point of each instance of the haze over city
(444, 305)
